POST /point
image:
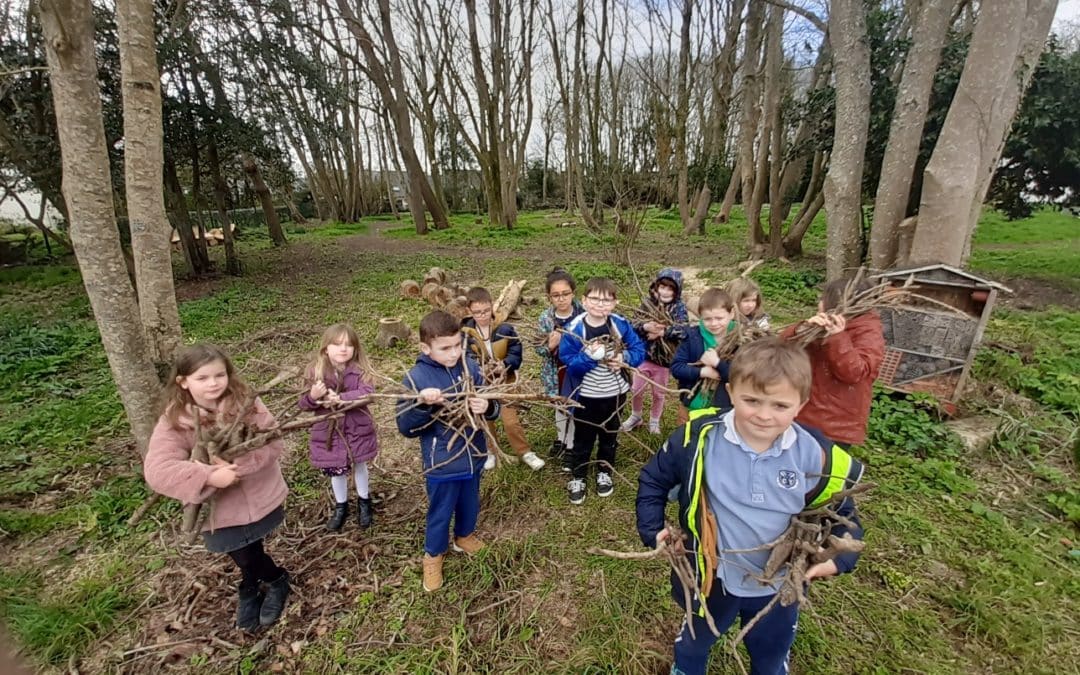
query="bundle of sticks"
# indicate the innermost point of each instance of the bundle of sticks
(808, 540)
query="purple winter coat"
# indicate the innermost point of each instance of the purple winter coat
(342, 441)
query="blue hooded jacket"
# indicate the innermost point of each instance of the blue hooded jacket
(578, 362)
(443, 461)
(678, 319)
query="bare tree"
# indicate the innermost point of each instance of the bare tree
(68, 27)
(843, 182)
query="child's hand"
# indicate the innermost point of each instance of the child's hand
(821, 570)
(664, 535)
(223, 475)
(710, 358)
(596, 351)
(615, 363)
(710, 373)
(832, 323)
(332, 398)
(318, 390)
(431, 396)
(554, 338)
(478, 405)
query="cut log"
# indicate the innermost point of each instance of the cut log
(390, 331)
(458, 308)
(508, 300)
(429, 292)
(443, 296)
(410, 289)
(435, 274)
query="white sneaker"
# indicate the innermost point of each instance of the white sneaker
(489, 463)
(654, 427)
(534, 462)
(631, 423)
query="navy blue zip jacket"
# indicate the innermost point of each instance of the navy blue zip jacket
(690, 351)
(442, 461)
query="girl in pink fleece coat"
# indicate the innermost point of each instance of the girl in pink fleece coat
(245, 496)
(340, 374)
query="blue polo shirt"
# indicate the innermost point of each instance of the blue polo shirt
(753, 496)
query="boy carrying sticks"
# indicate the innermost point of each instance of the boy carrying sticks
(742, 475)
(445, 418)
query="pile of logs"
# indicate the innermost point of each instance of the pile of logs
(438, 291)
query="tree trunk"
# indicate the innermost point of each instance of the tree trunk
(1006, 35)
(273, 223)
(905, 131)
(150, 231)
(68, 28)
(843, 183)
(197, 260)
(221, 191)
(748, 123)
(724, 215)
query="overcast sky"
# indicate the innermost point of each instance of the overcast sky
(1068, 10)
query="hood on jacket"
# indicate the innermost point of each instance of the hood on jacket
(669, 274)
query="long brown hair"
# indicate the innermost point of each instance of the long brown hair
(320, 367)
(177, 401)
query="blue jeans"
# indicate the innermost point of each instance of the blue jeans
(459, 499)
(768, 642)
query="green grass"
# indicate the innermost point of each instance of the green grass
(965, 569)
(1045, 246)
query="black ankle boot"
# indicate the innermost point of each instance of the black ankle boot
(558, 448)
(337, 519)
(248, 607)
(363, 508)
(273, 604)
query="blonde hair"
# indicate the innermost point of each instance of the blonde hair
(764, 363)
(715, 298)
(742, 288)
(320, 367)
(176, 400)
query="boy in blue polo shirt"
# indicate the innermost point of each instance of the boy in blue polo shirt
(744, 473)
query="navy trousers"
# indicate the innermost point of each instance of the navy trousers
(457, 499)
(768, 642)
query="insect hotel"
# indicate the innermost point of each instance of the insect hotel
(930, 341)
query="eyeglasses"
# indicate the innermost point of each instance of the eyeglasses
(600, 301)
(560, 296)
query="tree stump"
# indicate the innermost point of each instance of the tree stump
(390, 331)
(410, 289)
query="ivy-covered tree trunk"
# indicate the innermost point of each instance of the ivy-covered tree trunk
(68, 27)
(149, 225)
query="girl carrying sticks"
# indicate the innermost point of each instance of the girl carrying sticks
(340, 373)
(247, 494)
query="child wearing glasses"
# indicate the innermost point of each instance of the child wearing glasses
(595, 349)
(564, 308)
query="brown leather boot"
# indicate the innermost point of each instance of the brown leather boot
(432, 572)
(470, 545)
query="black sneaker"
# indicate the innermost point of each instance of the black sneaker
(576, 489)
(567, 461)
(604, 487)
